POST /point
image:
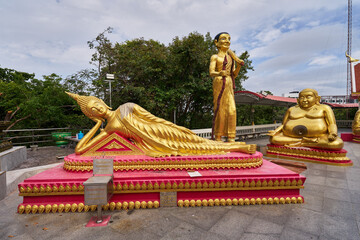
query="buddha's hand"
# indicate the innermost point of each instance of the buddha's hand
(251, 148)
(241, 62)
(238, 60)
(100, 122)
(272, 133)
(222, 73)
(332, 137)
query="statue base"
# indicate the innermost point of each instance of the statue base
(56, 190)
(347, 136)
(356, 138)
(314, 155)
(233, 160)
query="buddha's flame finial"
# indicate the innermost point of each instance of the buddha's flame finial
(82, 101)
(73, 95)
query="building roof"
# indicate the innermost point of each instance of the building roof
(345, 105)
(247, 97)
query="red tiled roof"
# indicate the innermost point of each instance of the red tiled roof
(282, 99)
(247, 97)
(345, 105)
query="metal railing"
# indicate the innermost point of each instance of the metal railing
(242, 132)
(43, 136)
(32, 136)
(344, 123)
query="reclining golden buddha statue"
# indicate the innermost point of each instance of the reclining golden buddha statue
(156, 137)
(308, 124)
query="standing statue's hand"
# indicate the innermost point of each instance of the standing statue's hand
(241, 62)
(222, 73)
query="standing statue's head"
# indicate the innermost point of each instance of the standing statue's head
(308, 98)
(222, 40)
(93, 107)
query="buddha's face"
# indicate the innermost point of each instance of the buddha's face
(307, 99)
(224, 41)
(97, 109)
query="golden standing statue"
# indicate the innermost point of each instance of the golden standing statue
(356, 124)
(155, 136)
(308, 124)
(223, 70)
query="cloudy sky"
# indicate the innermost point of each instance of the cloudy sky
(293, 44)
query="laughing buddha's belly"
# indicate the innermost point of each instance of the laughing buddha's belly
(305, 127)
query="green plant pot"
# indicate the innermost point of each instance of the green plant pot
(59, 138)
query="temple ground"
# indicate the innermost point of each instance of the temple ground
(331, 211)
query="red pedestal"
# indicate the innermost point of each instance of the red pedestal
(57, 190)
(356, 138)
(75, 162)
(331, 157)
(347, 137)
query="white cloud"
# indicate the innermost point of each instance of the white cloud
(313, 24)
(73, 55)
(322, 60)
(291, 43)
(268, 36)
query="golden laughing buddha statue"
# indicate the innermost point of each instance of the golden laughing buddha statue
(156, 137)
(356, 124)
(308, 124)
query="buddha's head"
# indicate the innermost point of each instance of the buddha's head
(222, 40)
(308, 98)
(93, 107)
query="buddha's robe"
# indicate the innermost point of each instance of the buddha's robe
(158, 137)
(225, 120)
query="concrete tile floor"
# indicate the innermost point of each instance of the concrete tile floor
(331, 211)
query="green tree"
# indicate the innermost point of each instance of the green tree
(40, 103)
(162, 79)
(15, 89)
(190, 87)
(140, 69)
(81, 82)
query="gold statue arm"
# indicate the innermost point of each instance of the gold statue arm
(238, 61)
(85, 143)
(280, 128)
(276, 131)
(330, 120)
(212, 68)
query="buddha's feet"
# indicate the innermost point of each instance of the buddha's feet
(310, 140)
(297, 144)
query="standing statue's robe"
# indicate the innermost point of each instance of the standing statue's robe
(225, 120)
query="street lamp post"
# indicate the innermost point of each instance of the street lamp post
(110, 78)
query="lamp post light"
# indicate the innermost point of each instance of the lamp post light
(110, 78)
(252, 115)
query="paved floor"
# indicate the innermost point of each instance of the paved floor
(45, 155)
(331, 211)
